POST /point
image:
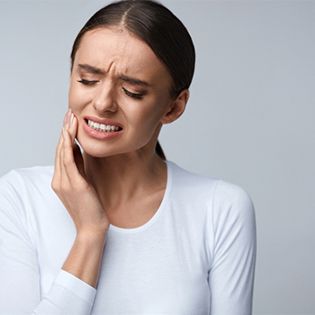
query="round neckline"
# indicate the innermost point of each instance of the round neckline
(157, 212)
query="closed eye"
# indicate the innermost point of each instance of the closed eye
(88, 82)
(138, 96)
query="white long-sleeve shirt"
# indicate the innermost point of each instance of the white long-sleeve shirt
(195, 256)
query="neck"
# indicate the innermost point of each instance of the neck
(121, 178)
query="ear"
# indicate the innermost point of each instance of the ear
(176, 107)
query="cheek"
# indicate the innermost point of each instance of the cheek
(149, 120)
(146, 113)
(76, 96)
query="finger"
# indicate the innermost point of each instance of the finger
(60, 180)
(61, 138)
(78, 159)
(72, 127)
(59, 173)
(58, 158)
(68, 162)
(67, 117)
(58, 148)
(57, 170)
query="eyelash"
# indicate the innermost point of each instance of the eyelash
(87, 82)
(130, 94)
(133, 95)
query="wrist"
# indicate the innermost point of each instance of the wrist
(91, 236)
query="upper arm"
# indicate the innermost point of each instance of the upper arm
(231, 275)
(19, 267)
(19, 274)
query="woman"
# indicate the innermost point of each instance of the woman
(114, 227)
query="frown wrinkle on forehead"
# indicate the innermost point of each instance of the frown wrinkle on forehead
(94, 70)
(106, 52)
(114, 51)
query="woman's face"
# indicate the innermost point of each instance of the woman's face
(117, 80)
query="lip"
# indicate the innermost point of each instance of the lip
(100, 135)
(103, 121)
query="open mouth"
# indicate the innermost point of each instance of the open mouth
(102, 127)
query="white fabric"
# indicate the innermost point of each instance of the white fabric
(195, 256)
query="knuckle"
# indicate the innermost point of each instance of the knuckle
(83, 184)
(67, 160)
(84, 188)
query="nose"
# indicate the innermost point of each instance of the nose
(104, 99)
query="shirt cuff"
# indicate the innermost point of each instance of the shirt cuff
(69, 295)
(82, 289)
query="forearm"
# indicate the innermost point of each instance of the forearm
(85, 257)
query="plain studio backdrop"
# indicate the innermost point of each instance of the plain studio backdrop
(249, 120)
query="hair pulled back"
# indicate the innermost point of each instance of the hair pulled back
(159, 28)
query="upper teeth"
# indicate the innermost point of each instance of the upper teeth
(102, 127)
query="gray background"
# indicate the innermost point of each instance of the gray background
(250, 118)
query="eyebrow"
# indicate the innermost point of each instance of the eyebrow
(98, 71)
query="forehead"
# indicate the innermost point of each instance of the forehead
(117, 51)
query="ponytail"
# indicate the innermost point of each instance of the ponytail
(159, 151)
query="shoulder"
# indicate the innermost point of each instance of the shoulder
(233, 213)
(18, 181)
(222, 209)
(228, 194)
(19, 191)
(27, 173)
(219, 195)
(189, 184)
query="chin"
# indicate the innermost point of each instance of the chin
(96, 151)
(94, 148)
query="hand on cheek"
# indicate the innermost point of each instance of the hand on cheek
(70, 184)
(70, 125)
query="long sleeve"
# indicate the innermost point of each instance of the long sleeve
(231, 276)
(19, 268)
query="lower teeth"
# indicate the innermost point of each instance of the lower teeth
(100, 130)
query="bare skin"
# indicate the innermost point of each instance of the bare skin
(84, 207)
(119, 181)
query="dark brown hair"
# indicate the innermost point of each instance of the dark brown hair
(160, 29)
